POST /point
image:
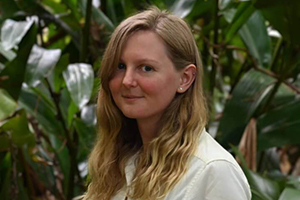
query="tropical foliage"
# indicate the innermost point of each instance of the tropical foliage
(50, 52)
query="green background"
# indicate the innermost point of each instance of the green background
(51, 50)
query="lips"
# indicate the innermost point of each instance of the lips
(131, 97)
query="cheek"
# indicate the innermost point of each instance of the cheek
(114, 85)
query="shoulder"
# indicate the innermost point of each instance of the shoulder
(217, 173)
(210, 150)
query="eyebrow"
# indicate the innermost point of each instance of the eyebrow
(140, 60)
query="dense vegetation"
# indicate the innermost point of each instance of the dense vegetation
(50, 52)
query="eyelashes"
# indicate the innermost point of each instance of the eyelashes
(144, 68)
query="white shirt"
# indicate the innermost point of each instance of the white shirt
(213, 175)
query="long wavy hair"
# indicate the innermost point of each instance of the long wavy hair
(164, 161)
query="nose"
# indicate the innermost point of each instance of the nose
(129, 79)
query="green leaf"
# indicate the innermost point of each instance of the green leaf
(63, 156)
(56, 76)
(262, 188)
(42, 112)
(254, 34)
(54, 6)
(15, 70)
(115, 11)
(246, 98)
(40, 63)
(18, 128)
(284, 16)
(290, 194)
(12, 32)
(7, 9)
(87, 136)
(242, 14)
(79, 79)
(182, 8)
(5, 174)
(8, 54)
(7, 105)
(88, 115)
(200, 8)
(73, 109)
(4, 142)
(279, 127)
(97, 15)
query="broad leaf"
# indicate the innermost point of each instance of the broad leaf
(18, 128)
(40, 63)
(246, 98)
(283, 16)
(182, 8)
(15, 70)
(254, 34)
(79, 79)
(12, 32)
(242, 14)
(97, 15)
(42, 112)
(7, 105)
(8, 54)
(290, 194)
(87, 135)
(262, 188)
(280, 126)
(88, 115)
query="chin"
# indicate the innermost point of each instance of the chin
(133, 115)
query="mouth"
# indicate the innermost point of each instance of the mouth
(131, 97)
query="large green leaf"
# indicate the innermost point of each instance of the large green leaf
(15, 70)
(290, 194)
(56, 76)
(88, 115)
(44, 114)
(8, 54)
(241, 16)
(97, 15)
(280, 126)
(115, 10)
(79, 79)
(246, 98)
(182, 8)
(18, 128)
(40, 63)
(5, 174)
(254, 34)
(12, 32)
(262, 188)
(8, 9)
(7, 105)
(200, 8)
(283, 16)
(87, 135)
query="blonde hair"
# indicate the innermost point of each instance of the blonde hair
(161, 164)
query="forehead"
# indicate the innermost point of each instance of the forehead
(144, 45)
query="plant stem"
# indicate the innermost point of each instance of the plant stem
(276, 53)
(271, 97)
(215, 50)
(86, 32)
(70, 144)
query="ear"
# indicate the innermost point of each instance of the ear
(188, 76)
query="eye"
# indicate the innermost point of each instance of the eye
(121, 66)
(147, 68)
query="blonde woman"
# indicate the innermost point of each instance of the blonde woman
(151, 117)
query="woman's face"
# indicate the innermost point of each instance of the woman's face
(145, 81)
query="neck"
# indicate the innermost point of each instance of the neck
(148, 129)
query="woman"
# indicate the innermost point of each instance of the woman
(151, 116)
